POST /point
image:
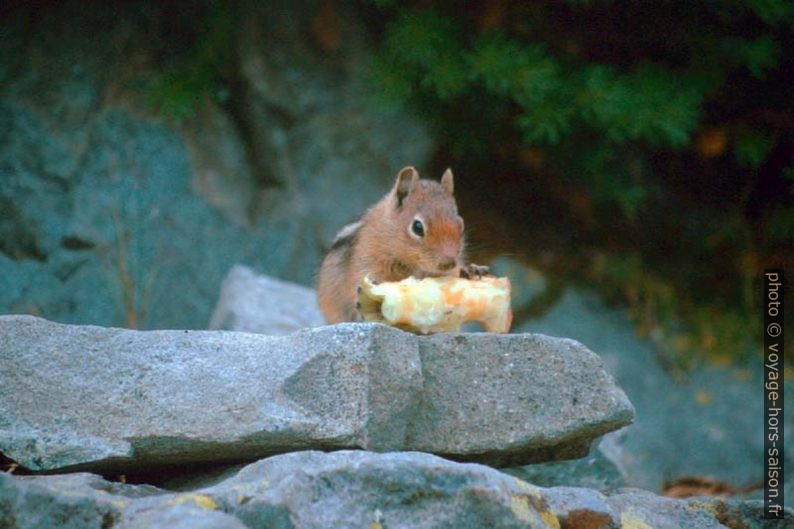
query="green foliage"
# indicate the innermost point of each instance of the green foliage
(752, 147)
(526, 74)
(781, 224)
(431, 57)
(757, 55)
(772, 11)
(195, 76)
(427, 44)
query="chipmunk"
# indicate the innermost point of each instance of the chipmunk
(414, 230)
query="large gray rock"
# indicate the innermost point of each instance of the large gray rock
(250, 302)
(93, 397)
(511, 399)
(353, 489)
(361, 489)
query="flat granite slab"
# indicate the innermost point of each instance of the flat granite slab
(84, 397)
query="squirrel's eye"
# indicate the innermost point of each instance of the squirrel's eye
(418, 228)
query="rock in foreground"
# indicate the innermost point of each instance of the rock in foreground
(488, 397)
(308, 490)
(82, 397)
(93, 397)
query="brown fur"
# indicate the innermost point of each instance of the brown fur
(383, 247)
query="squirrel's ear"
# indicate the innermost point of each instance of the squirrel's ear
(406, 179)
(448, 181)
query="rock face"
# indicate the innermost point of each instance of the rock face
(254, 303)
(97, 398)
(108, 206)
(354, 489)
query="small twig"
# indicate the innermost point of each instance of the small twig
(127, 283)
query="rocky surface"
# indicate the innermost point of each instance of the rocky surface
(696, 424)
(250, 302)
(101, 398)
(597, 470)
(488, 397)
(354, 489)
(111, 207)
(93, 397)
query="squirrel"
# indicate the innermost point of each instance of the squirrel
(414, 230)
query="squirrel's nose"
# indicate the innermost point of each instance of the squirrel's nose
(446, 264)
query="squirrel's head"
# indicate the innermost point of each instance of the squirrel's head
(428, 223)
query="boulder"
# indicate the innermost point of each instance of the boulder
(84, 397)
(100, 398)
(506, 399)
(354, 489)
(250, 302)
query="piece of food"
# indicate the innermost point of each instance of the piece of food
(438, 304)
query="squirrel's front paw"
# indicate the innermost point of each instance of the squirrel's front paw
(355, 312)
(365, 308)
(473, 271)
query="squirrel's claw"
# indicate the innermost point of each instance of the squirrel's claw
(473, 271)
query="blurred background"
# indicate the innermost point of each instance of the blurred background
(630, 164)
